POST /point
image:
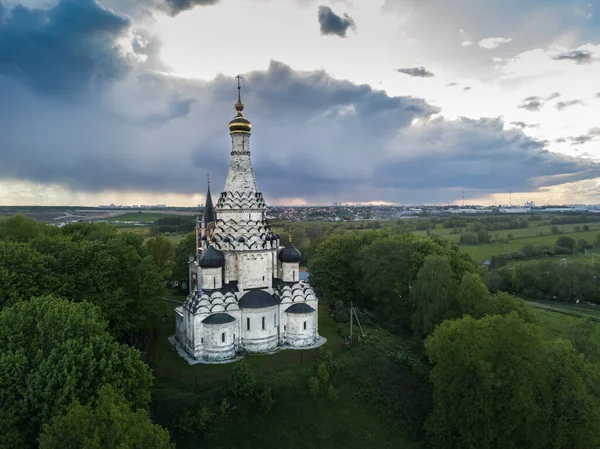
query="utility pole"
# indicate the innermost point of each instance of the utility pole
(351, 317)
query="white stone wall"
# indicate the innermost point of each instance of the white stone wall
(254, 270)
(179, 329)
(258, 339)
(212, 278)
(290, 272)
(240, 177)
(218, 341)
(296, 335)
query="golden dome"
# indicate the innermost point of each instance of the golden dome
(239, 124)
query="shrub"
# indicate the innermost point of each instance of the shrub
(243, 380)
(225, 409)
(332, 393)
(266, 400)
(313, 387)
(323, 373)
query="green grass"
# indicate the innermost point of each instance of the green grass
(485, 252)
(381, 402)
(133, 217)
(572, 309)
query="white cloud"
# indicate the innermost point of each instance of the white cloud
(466, 43)
(489, 43)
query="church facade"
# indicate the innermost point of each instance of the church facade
(245, 292)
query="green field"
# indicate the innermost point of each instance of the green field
(138, 217)
(535, 234)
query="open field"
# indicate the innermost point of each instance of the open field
(138, 217)
(556, 324)
(486, 251)
(578, 310)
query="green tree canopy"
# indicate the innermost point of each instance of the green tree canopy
(184, 249)
(110, 424)
(487, 381)
(161, 250)
(471, 294)
(53, 351)
(433, 295)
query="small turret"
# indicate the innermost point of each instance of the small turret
(290, 261)
(211, 264)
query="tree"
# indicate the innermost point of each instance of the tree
(21, 229)
(433, 295)
(487, 380)
(564, 241)
(554, 230)
(53, 351)
(110, 424)
(572, 402)
(501, 303)
(333, 271)
(243, 380)
(184, 249)
(322, 373)
(470, 295)
(160, 249)
(266, 400)
(581, 335)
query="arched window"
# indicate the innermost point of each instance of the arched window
(248, 323)
(263, 323)
(305, 325)
(275, 320)
(223, 337)
(293, 275)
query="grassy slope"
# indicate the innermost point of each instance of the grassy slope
(356, 420)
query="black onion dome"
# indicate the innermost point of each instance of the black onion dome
(203, 238)
(241, 239)
(290, 254)
(300, 307)
(212, 258)
(227, 240)
(218, 318)
(256, 299)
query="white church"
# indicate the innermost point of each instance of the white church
(245, 292)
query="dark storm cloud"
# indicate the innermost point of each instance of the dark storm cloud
(579, 56)
(62, 50)
(174, 7)
(331, 23)
(485, 155)
(451, 84)
(416, 71)
(565, 104)
(584, 138)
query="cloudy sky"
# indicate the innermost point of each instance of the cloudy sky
(398, 101)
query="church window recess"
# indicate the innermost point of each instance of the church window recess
(263, 323)
(275, 320)
(223, 337)
(248, 323)
(305, 325)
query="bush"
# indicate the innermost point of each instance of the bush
(586, 228)
(323, 373)
(243, 380)
(313, 387)
(266, 400)
(469, 238)
(332, 393)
